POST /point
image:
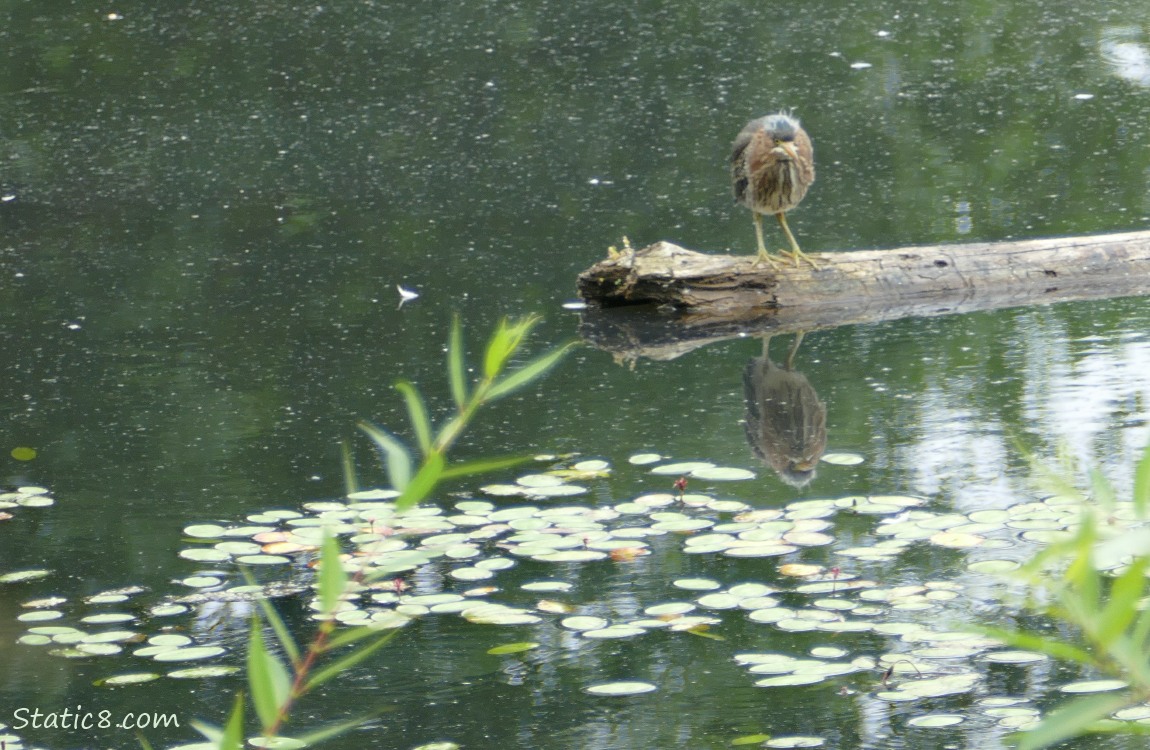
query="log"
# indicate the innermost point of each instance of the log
(725, 294)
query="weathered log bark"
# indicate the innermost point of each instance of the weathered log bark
(712, 298)
(720, 291)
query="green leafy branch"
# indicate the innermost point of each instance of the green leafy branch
(415, 482)
(275, 685)
(1068, 581)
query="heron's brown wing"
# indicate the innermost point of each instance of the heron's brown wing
(739, 178)
(806, 152)
(753, 375)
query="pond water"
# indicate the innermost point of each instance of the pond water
(206, 216)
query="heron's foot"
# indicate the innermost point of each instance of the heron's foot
(800, 257)
(765, 259)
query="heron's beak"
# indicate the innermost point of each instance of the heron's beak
(788, 149)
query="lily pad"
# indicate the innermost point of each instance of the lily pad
(134, 678)
(43, 615)
(204, 530)
(220, 670)
(614, 631)
(583, 622)
(204, 554)
(723, 474)
(684, 467)
(546, 586)
(719, 601)
(670, 608)
(790, 680)
(696, 584)
(111, 636)
(99, 649)
(934, 721)
(202, 581)
(621, 688)
(173, 640)
(1016, 657)
(572, 555)
(993, 567)
(107, 618)
(193, 653)
(795, 742)
(20, 576)
(842, 458)
(1093, 686)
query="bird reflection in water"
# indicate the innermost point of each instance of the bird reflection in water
(786, 423)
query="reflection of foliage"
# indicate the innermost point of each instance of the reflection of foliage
(1096, 582)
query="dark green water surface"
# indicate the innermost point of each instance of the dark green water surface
(206, 209)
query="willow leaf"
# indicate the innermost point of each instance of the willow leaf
(332, 576)
(343, 636)
(1122, 603)
(533, 370)
(267, 678)
(417, 412)
(1142, 484)
(395, 454)
(279, 627)
(504, 342)
(498, 350)
(455, 364)
(342, 665)
(1102, 490)
(210, 731)
(322, 734)
(233, 734)
(482, 465)
(422, 483)
(1071, 720)
(350, 481)
(1031, 642)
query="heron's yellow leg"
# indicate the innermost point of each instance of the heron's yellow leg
(764, 256)
(794, 252)
(794, 349)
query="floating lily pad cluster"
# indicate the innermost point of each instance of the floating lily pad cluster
(10, 740)
(13, 498)
(815, 587)
(110, 633)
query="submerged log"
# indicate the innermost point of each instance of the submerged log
(870, 285)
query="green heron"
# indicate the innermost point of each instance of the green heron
(772, 167)
(786, 424)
